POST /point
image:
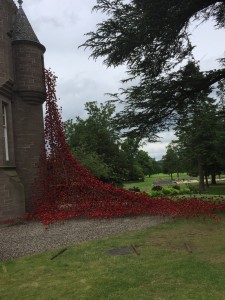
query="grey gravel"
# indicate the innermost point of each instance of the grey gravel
(32, 237)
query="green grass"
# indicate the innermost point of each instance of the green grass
(215, 190)
(178, 260)
(147, 185)
(149, 181)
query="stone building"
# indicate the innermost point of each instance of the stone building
(22, 93)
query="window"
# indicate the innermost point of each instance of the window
(5, 133)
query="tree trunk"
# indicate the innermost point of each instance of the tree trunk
(213, 178)
(201, 177)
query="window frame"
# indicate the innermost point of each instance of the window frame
(5, 130)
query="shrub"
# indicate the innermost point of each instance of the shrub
(176, 187)
(157, 188)
(170, 191)
(154, 194)
(185, 191)
(134, 189)
(167, 191)
(194, 189)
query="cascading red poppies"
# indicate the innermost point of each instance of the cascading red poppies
(65, 189)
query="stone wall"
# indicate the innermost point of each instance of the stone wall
(28, 132)
(7, 13)
(29, 95)
(22, 90)
(12, 200)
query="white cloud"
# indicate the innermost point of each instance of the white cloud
(158, 149)
(61, 25)
(209, 43)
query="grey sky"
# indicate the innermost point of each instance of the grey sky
(60, 26)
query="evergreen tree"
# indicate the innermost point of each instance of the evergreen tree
(198, 136)
(199, 132)
(152, 38)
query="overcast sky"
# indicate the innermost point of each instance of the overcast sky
(60, 26)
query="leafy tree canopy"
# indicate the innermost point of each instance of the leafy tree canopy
(152, 38)
(95, 142)
(171, 161)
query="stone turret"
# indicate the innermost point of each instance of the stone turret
(28, 60)
(22, 93)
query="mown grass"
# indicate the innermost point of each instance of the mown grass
(150, 181)
(215, 190)
(212, 190)
(147, 185)
(178, 260)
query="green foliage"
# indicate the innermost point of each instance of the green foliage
(158, 191)
(184, 190)
(157, 188)
(200, 140)
(130, 149)
(172, 162)
(156, 166)
(93, 162)
(134, 189)
(176, 187)
(152, 38)
(194, 189)
(149, 182)
(215, 190)
(138, 162)
(170, 191)
(146, 162)
(155, 194)
(95, 142)
(135, 172)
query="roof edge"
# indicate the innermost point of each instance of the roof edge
(37, 44)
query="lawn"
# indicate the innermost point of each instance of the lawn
(150, 181)
(147, 185)
(176, 260)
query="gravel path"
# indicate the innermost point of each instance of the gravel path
(32, 237)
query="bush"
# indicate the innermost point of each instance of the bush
(157, 188)
(167, 191)
(170, 191)
(185, 191)
(134, 189)
(194, 189)
(155, 194)
(176, 187)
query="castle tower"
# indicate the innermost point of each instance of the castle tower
(22, 93)
(29, 90)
